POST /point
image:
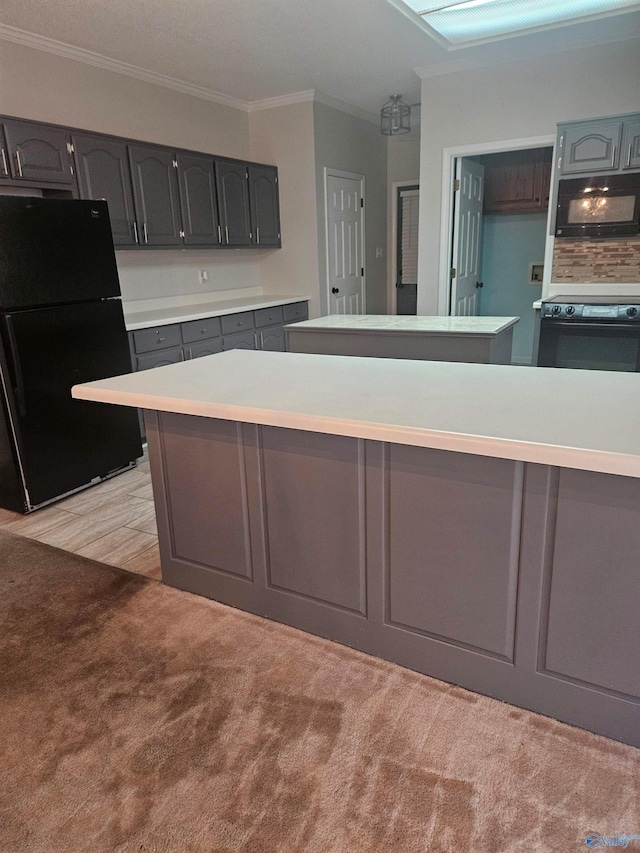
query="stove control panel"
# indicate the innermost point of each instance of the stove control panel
(581, 311)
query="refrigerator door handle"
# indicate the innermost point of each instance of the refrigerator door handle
(19, 379)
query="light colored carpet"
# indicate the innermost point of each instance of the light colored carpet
(134, 717)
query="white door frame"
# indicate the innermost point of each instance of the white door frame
(449, 156)
(354, 176)
(392, 292)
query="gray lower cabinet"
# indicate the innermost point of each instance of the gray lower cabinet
(260, 329)
(103, 173)
(515, 580)
(242, 340)
(272, 339)
(36, 153)
(295, 312)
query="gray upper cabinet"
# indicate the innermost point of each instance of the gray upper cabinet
(590, 147)
(233, 203)
(103, 173)
(265, 211)
(36, 153)
(631, 144)
(197, 180)
(156, 195)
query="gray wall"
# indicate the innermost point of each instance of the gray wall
(352, 144)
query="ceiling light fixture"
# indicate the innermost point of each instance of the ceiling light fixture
(458, 23)
(395, 116)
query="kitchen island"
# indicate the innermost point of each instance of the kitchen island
(473, 522)
(486, 340)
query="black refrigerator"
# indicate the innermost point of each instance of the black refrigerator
(61, 323)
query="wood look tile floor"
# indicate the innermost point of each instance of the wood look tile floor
(113, 522)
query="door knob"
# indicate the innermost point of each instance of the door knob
(335, 290)
(479, 284)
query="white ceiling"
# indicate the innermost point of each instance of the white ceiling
(354, 51)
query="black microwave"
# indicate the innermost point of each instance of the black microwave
(599, 206)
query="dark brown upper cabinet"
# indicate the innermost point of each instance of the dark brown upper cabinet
(36, 153)
(197, 182)
(102, 166)
(233, 203)
(154, 172)
(264, 205)
(517, 181)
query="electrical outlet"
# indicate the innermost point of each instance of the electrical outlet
(379, 252)
(203, 276)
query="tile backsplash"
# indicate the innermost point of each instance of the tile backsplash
(596, 261)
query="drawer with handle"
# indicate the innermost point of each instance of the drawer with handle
(268, 316)
(233, 323)
(161, 337)
(201, 330)
(296, 311)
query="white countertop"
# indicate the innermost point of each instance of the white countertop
(404, 324)
(181, 314)
(573, 418)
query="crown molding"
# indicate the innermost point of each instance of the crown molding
(89, 57)
(282, 100)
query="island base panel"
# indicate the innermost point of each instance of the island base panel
(514, 580)
(480, 349)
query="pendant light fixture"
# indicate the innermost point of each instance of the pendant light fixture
(395, 116)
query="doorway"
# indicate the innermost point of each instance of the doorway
(407, 201)
(511, 238)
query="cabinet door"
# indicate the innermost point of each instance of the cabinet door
(155, 192)
(38, 153)
(631, 145)
(591, 147)
(245, 340)
(159, 359)
(265, 210)
(103, 172)
(233, 203)
(515, 181)
(271, 339)
(197, 182)
(202, 348)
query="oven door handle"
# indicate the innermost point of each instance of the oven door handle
(588, 325)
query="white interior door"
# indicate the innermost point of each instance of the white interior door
(467, 237)
(345, 244)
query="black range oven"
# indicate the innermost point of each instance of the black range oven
(590, 333)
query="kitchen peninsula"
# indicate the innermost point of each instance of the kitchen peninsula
(487, 340)
(473, 522)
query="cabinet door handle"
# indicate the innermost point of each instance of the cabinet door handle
(615, 151)
(258, 235)
(226, 234)
(18, 164)
(219, 234)
(6, 170)
(135, 233)
(628, 163)
(144, 231)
